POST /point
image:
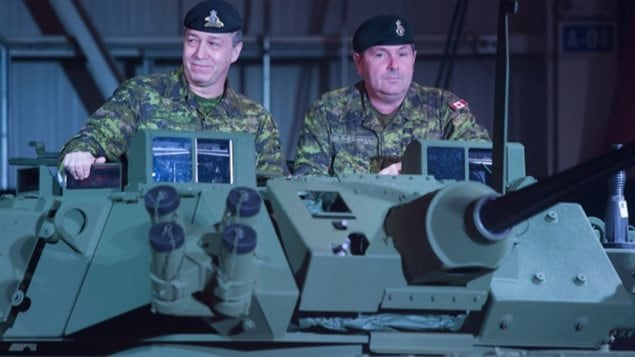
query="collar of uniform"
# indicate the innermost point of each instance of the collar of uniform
(354, 107)
(230, 98)
(367, 112)
(179, 87)
(413, 96)
(178, 84)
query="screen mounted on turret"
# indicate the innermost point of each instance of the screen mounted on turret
(185, 160)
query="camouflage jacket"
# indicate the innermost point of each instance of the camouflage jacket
(342, 133)
(164, 101)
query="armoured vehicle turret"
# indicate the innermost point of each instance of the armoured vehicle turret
(187, 253)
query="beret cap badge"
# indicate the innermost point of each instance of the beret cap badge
(213, 20)
(399, 30)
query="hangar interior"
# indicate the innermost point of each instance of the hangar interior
(568, 86)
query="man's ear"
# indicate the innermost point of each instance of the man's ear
(236, 51)
(357, 59)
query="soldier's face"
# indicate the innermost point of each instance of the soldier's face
(387, 70)
(206, 59)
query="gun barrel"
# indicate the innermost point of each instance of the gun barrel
(502, 213)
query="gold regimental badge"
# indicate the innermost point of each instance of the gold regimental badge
(399, 30)
(213, 21)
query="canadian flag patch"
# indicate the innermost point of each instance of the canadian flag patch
(459, 104)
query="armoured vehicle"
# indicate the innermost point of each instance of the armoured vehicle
(188, 253)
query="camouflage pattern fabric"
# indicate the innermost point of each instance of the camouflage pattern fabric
(164, 101)
(342, 132)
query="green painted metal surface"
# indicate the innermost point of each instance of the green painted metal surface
(358, 264)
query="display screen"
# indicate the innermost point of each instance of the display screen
(448, 163)
(480, 165)
(214, 160)
(171, 159)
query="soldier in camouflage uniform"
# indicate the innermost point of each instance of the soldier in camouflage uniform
(365, 128)
(194, 96)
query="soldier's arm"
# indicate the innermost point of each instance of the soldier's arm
(110, 128)
(460, 123)
(269, 158)
(314, 150)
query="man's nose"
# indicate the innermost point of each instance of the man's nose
(392, 63)
(200, 51)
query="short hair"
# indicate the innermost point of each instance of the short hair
(237, 37)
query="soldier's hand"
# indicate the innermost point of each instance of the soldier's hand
(393, 169)
(79, 163)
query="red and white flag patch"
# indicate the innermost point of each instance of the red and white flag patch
(459, 104)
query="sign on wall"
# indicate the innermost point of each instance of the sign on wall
(587, 37)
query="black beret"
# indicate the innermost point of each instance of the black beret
(382, 30)
(215, 16)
